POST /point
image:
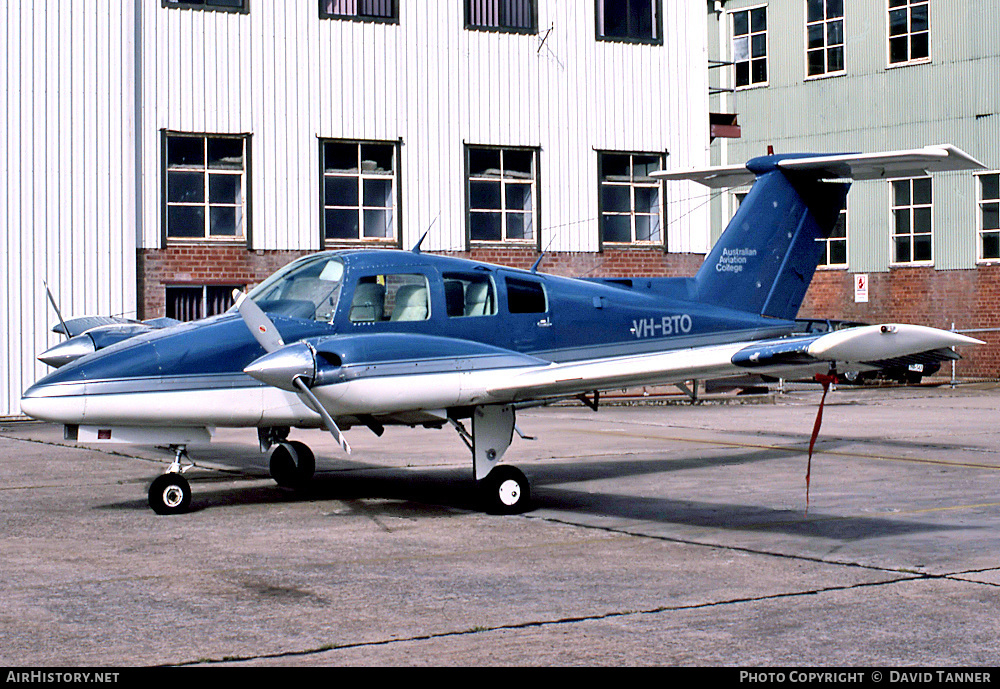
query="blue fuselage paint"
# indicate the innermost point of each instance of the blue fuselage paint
(580, 319)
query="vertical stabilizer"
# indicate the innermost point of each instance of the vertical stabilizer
(765, 259)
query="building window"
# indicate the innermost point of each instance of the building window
(501, 193)
(359, 191)
(192, 302)
(630, 199)
(501, 15)
(629, 20)
(835, 246)
(824, 37)
(206, 186)
(909, 31)
(360, 10)
(912, 213)
(989, 215)
(750, 46)
(224, 5)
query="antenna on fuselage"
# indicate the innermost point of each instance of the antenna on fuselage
(416, 247)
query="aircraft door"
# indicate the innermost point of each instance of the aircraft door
(527, 316)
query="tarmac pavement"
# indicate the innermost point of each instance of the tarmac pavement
(671, 535)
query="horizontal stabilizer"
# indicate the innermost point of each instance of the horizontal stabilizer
(859, 166)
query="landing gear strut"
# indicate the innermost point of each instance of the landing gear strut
(502, 489)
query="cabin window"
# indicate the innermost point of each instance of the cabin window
(193, 302)
(824, 37)
(835, 246)
(629, 20)
(359, 191)
(525, 296)
(359, 10)
(630, 199)
(391, 297)
(206, 186)
(989, 215)
(501, 190)
(224, 5)
(750, 46)
(469, 295)
(501, 15)
(912, 213)
(909, 31)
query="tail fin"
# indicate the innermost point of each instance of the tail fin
(765, 259)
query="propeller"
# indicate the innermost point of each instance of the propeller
(296, 362)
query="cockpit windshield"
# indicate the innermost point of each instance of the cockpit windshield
(308, 288)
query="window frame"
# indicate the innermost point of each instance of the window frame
(246, 190)
(825, 22)
(751, 84)
(535, 214)
(912, 207)
(500, 28)
(662, 205)
(910, 60)
(981, 230)
(656, 24)
(393, 19)
(396, 239)
(204, 7)
(825, 263)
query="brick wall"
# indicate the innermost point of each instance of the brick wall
(924, 296)
(207, 264)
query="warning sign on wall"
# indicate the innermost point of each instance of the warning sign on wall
(861, 288)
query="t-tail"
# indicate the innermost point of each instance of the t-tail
(765, 259)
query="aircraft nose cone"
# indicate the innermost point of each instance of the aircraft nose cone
(65, 352)
(280, 367)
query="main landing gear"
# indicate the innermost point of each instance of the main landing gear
(502, 489)
(292, 464)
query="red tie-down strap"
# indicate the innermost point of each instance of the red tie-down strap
(825, 381)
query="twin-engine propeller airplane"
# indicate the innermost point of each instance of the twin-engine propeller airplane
(369, 338)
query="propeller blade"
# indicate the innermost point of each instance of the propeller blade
(324, 414)
(259, 324)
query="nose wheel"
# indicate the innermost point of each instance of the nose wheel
(170, 494)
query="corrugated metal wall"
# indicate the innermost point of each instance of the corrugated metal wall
(289, 78)
(67, 212)
(955, 98)
(90, 86)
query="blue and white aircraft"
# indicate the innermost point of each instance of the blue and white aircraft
(376, 337)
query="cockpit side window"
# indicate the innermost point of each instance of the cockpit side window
(307, 289)
(525, 296)
(391, 297)
(469, 295)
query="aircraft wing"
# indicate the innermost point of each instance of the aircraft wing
(874, 346)
(859, 166)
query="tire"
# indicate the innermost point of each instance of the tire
(292, 464)
(505, 490)
(170, 494)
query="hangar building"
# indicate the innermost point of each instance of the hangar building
(162, 152)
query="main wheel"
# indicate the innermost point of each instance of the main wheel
(292, 464)
(170, 494)
(505, 490)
